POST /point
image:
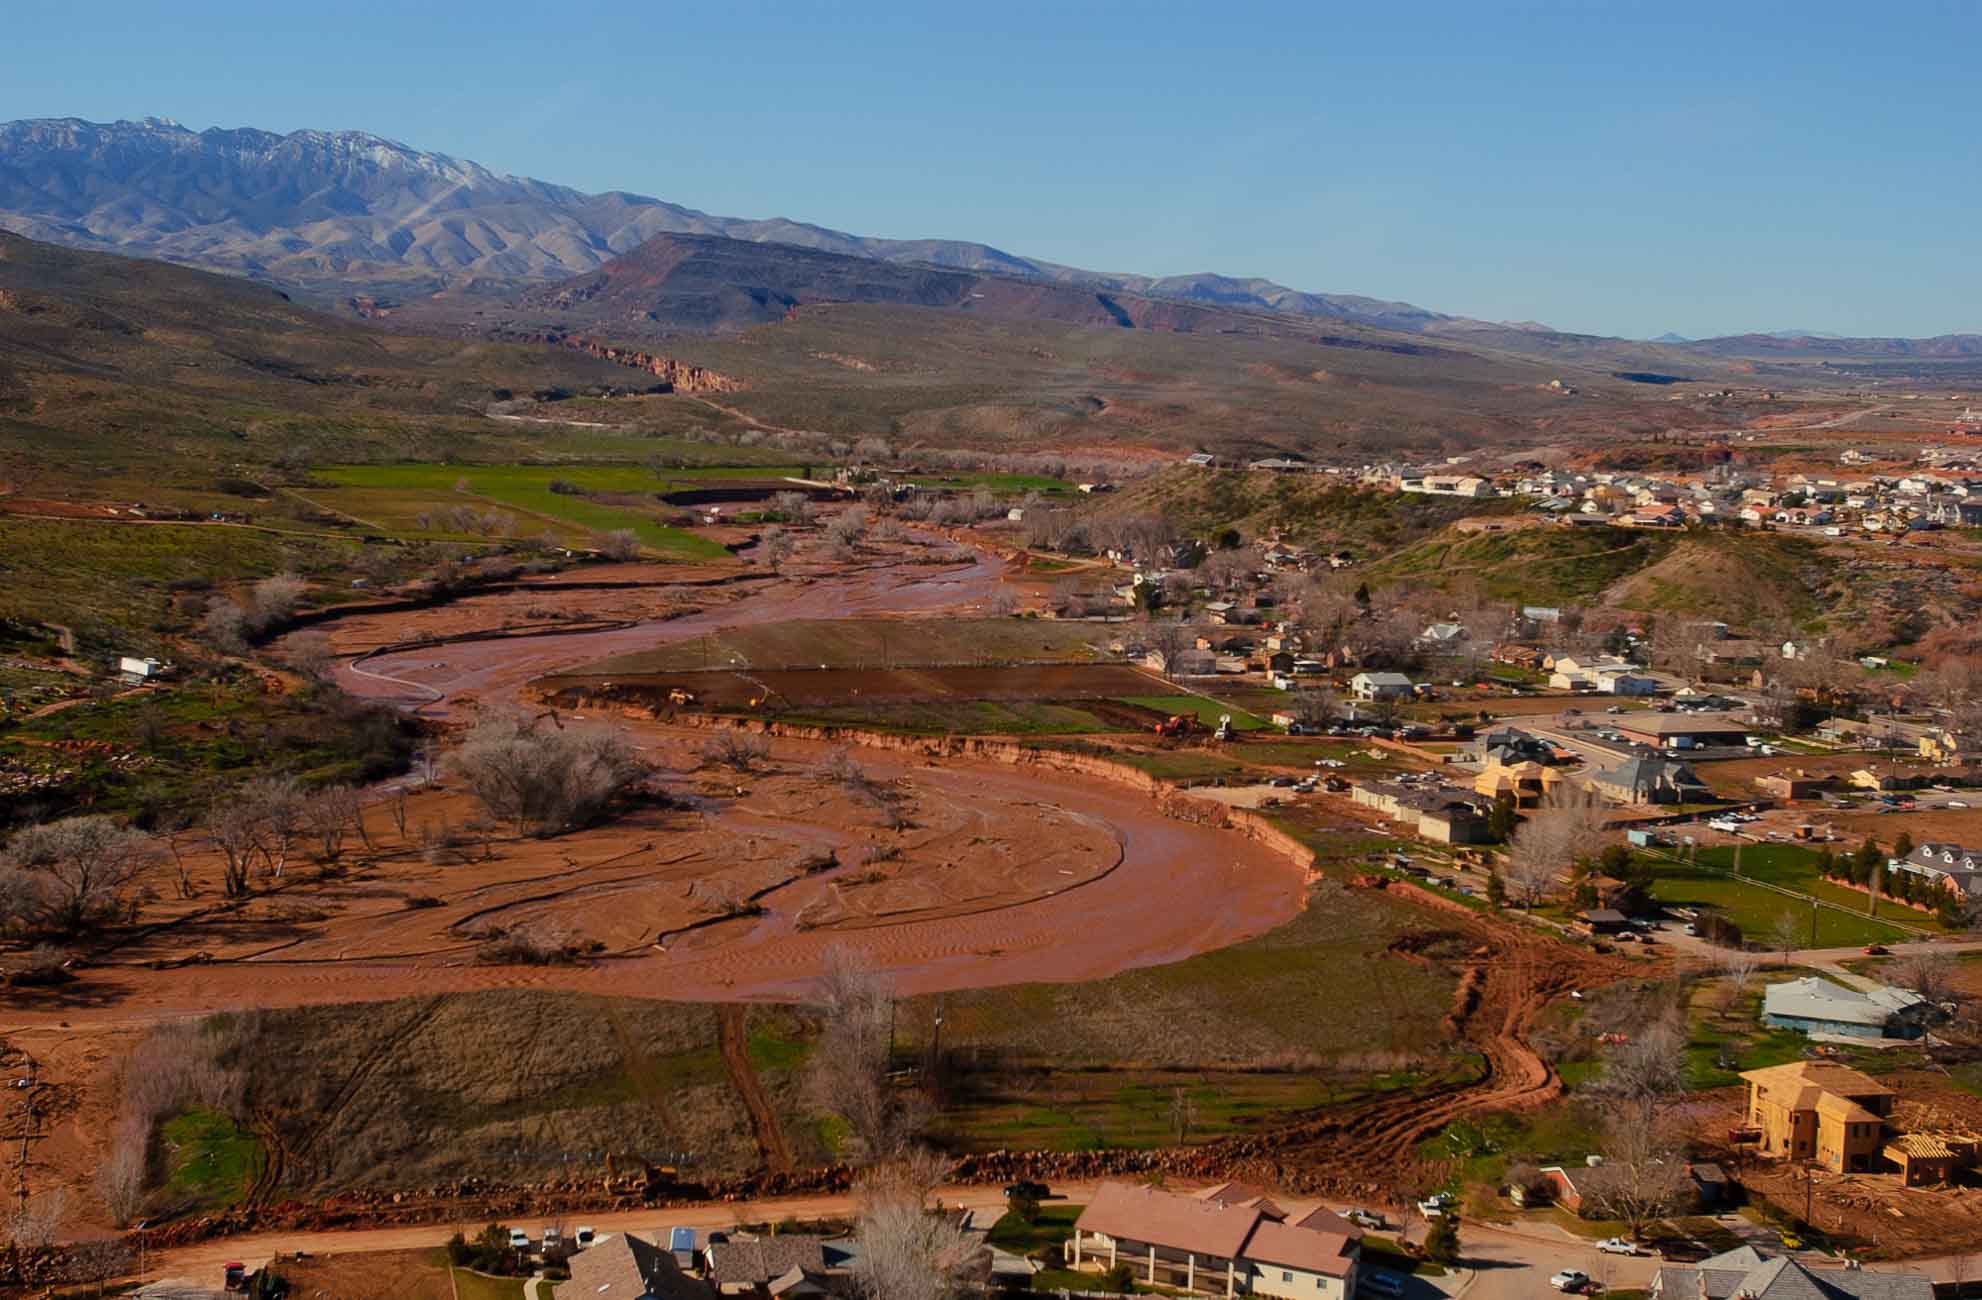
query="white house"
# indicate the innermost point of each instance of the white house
(1380, 686)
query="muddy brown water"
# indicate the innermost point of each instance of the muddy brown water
(1180, 888)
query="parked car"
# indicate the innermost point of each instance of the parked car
(1028, 1188)
(1383, 1283)
(1364, 1218)
(1617, 1246)
(519, 1239)
(1790, 1241)
(1436, 1204)
(1876, 950)
(583, 1237)
(1570, 1280)
(1281, 782)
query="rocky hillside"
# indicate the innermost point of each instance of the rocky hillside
(342, 212)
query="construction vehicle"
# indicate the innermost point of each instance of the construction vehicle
(679, 696)
(1224, 731)
(1177, 724)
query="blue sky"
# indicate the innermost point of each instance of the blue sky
(1613, 168)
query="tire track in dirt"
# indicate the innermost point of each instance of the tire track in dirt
(734, 1036)
(367, 1066)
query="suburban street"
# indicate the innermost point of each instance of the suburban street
(1500, 1262)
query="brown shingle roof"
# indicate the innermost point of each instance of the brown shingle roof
(1326, 1253)
(765, 1259)
(623, 1266)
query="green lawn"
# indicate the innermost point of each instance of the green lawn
(210, 1158)
(470, 1285)
(1204, 710)
(1053, 1225)
(1756, 909)
(394, 497)
(1182, 765)
(1794, 866)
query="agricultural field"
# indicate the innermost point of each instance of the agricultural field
(1068, 1067)
(422, 501)
(1206, 710)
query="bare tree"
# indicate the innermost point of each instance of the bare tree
(908, 1253)
(1643, 1177)
(1930, 974)
(35, 1222)
(1737, 968)
(740, 751)
(275, 806)
(1316, 706)
(273, 600)
(545, 780)
(792, 507)
(225, 627)
(82, 868)
(777, 546)
(1168, 640)
(1648, 1070)
(329, 815)
(120, 1178)
(1566, 829)
(1786, 934)
(310, 654)
(850, 1064)
(618, 544)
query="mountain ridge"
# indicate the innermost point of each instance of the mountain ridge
(338, 210)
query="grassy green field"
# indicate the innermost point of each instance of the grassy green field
(1553, 565)
(188, 742)
(113, 584)
(1793, 866)
(209, 1158)
(393, 498)
(1204, 710)
(1077, 1066)
(1756, 909)
(1724, 1039)
(1189, 765)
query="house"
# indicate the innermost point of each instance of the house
(1756, 1275)
(1816, 1005)
(1940, 745)
(1797, 784)
(1444, 636)
(1443, 814)
(1950, 866)
(751, 1266)
(1815, 1110)
(1526, 783)
(1380, 686)
(1227, 1243)
(1625, 681)
(1924, 1158)
(1648, 780)
(1604, 920)
(1201, 460)
(629, 1264)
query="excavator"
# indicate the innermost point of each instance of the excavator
(1176, 725)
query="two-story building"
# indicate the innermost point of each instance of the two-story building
(1814, 1110)
(1226, 1241)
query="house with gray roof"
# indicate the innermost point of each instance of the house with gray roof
(1753, 1274)
(628, 1266)
(1648, 779)
(1816, 1005)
